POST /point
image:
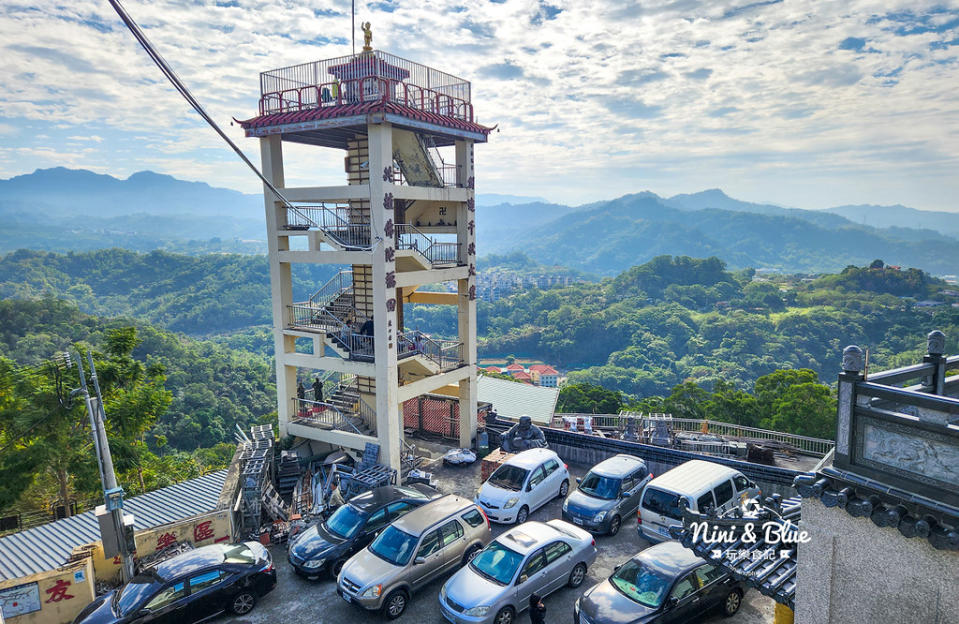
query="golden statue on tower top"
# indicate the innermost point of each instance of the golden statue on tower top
(367, 36)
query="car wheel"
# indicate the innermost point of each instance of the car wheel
(470, 553)
(733, 601)
(564, 488)
(577, 575)
(614, 525)
(522, 514)
(505, 616)
(394, 605)
(242, 603)
(335, 568)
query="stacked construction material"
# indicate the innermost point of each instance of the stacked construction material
(287, 473)
(257, 457)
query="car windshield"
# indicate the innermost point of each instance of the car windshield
(509, 477)
(640, 584)
(663, 503)
(599, 486)
(394, 546)
(345, 521)
(497, 563)
(133, 594)
(238, 553)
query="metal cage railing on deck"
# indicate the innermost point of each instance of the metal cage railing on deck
(365, 77)
(409, 237)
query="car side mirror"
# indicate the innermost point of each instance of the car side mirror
(624, 494)
(616, 569)
(419, 560)
(579, 480)
(522, 579)
(672, 602)
(529, 487)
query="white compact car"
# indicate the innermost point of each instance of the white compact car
(523, 484)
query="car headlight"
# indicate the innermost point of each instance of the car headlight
(511, 503)
(314, 563)
(599, 517)
(566, 505)
(373, 592)
(576, 606)
(476, 611)
(443, 593)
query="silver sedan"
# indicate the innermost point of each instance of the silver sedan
(534, 557)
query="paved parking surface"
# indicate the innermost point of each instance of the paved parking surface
(297, 600)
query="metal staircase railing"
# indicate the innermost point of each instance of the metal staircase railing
(333, 221)
(446, 354)
(325, 415)
(339, 284)
(435, 252)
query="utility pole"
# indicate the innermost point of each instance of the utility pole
(116, 528)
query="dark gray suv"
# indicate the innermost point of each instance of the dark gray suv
(609, 492)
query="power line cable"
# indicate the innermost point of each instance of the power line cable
(182, 90)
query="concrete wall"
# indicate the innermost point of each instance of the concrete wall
(592, 456)
(853, 572)
(60, 595)
(200, 530)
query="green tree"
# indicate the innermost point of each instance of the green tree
(587, 398)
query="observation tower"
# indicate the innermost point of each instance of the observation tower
(403, 219)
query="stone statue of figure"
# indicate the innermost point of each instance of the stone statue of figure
(367, 36)
(522, 436)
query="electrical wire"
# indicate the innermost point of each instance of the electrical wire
(182, 90)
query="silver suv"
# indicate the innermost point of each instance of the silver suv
(417, 548)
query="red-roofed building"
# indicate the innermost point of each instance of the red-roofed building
(513, 369)
(493, 369)
(523, 376)
(544, 375)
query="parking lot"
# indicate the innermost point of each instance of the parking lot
(297, 600)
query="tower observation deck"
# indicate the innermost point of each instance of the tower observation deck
(404, 218)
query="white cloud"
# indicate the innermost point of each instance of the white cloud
(597, 99)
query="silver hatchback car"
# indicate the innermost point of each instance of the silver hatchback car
(534, 557)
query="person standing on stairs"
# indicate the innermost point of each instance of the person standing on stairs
(317, 390)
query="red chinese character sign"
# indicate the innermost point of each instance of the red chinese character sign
(165, 540)
(203, 531)
(59, 591)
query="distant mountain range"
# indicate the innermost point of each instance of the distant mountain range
(63, 209)
(608, 237)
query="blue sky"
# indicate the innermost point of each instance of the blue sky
(802, 103)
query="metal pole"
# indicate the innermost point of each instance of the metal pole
(354, 27)
(93, 421)
(111, 490)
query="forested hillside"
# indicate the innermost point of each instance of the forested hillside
(213, 293)
(678, 319)
(213, 387)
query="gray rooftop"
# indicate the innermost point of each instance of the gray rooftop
(50, 545)
(513, 399)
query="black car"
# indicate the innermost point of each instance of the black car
(325, 546)
(665, 583)
(189, 587)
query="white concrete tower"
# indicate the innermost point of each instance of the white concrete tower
(404, 219)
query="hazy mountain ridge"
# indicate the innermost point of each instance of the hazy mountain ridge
(611, 236)
(63, 209)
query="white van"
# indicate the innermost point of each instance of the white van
(702, 484)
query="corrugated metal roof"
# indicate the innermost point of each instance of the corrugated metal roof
(512, 400)
(48, 546)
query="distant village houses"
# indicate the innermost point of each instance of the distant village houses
(542, 375)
